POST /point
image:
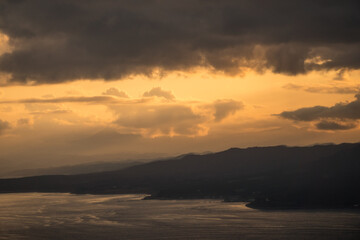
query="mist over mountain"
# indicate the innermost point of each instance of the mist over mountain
(72, 169)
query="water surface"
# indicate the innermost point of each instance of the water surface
(65, 216)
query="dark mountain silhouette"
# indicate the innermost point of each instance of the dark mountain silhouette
(320, 176)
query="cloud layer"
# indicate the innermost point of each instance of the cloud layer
(224, 108)
(58, 41)
(158, 92)
(3, 126)
(344, 112)
(163, 120)
(92, 99)
(115, 92)
(333, 125)
(146, 116)
(324, 89)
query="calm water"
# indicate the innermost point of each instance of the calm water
(65, 216)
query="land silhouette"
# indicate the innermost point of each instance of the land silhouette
(320, 176)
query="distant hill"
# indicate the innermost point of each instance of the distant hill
(72, 169)
(286, 177)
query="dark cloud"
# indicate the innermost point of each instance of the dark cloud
(224, 108)
(158, 92)
(287, 58)
(333, 125)
(305, 114)
(115, 92)
(349, 110)
(4, 125)
(335, 90)
(57, 41)
(336, 117)
(169, 119)
(340, 74)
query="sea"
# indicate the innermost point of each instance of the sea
(55, 216)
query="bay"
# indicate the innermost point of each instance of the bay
(66, 216)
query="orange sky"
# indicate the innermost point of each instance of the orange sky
(122, 81)
(168, 125)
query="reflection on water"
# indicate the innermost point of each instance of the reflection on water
(65, 216)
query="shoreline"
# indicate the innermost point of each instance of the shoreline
(249, 204)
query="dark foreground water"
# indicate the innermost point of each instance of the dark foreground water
(64, 216)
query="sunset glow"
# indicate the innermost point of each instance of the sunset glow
(171, 95)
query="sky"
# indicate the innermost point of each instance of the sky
(85, 81)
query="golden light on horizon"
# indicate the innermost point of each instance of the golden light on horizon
(63, 84)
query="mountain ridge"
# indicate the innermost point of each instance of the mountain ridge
(288, 176)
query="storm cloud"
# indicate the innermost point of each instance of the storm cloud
(57, 41)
